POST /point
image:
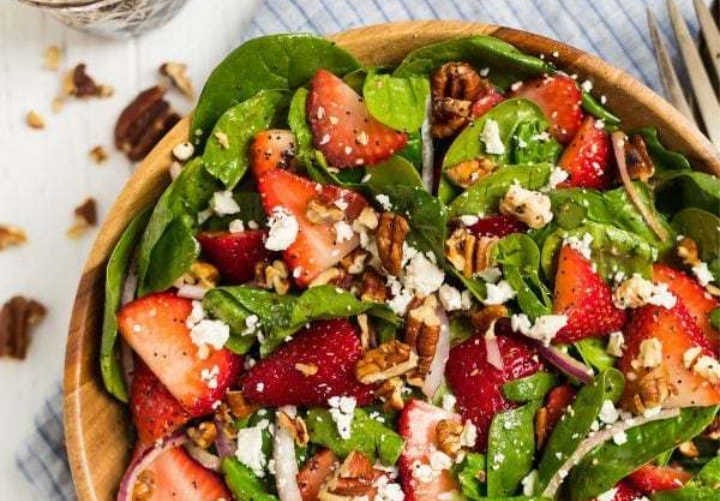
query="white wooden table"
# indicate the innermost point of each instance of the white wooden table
(45, 174)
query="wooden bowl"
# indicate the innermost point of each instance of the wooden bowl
(96, 426)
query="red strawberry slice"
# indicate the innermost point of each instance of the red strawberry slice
(175, 475)
(582, 295)
(477, 384)
(315, 472)
(677, 333)
(624, 491)
(272, 149)
(560, 99)
(316, 247)
(587, 158)
(498, 225)
(155, 412)
(417, 425)
(556, 403)
(651, 478)
(154, 326)
(343, 129)
(331, 348)
(693, 296)
(486, 103)
(235, 254)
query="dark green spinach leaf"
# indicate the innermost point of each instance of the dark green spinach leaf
(529, 388)
(662, 157)
(681, 189)
(592, 106)
(398, 102)
(243, 483)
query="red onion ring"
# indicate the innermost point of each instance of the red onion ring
(205, 458)
(428, 153)
(225, 445)
(565, 363)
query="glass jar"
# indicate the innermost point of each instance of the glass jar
(111, 18)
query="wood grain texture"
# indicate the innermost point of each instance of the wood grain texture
(97, 433)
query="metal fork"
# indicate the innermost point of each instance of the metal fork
(702, 88)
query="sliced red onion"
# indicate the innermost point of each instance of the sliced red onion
(286, 469)
(225, 445)
(190, 291)
(142, 461)
(205, 458)
(436, 374)
(565, 363)
(618, 142)
(129, 285)
(428, 153)
(492, 351)
(127, 362)
(599, 438)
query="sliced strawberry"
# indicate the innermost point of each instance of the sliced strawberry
(498, 225)
(485, 103)
(235, 254)
(315, 248)
(556, 403)
(417, 425)
(343, 128)
(330, 346)
(155, 412)
(477, 384)
(582, 295)
(587, 158)
(272, 149)
(315, 472)
(560, 99)
(175, 475)
(624, 491)
(676, 332)
(154, 326)
(693, 296)
(651, 478)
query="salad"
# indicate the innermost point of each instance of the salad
(455, 278)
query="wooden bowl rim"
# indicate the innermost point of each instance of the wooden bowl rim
(148, 173)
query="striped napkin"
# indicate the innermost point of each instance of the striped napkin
(613, 29)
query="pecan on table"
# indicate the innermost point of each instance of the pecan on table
(17, 317)
(11, 236)
(177, 74)
(79, 84)
(84, 217)
(391, 234)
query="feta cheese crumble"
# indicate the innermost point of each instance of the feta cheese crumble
(236, 226)
(608, 413)
(343, 232)
(499, 293)
(531, 207)
(544, 329)
(616, 344)
(384, 201)
(491, 137)
(222, 203)
(651, 352)
(702, 273)
(342, 410)
(422, 275)
(557, 176)
(450, 297)
(580, 244)
(637, 291)
(283, 229)
(249, 451)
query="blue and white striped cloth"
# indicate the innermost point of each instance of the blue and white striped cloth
(613, 29)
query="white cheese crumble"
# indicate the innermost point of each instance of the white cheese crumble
(498, 293)
(637, 291)
(620, 438)
(491, 137)
(236, 226)
(707, 367)
(448, 402)
(343, 232)
(468, 436)
(388, 491)
(607, 495)
(222, 203)
(450, 297)
(616, 344)
(608, 413)
(207, 332)
(423, 473)
(690, 355)
(469, 219)
(581, 244)
(544, 329)
(651, 352)
(440, 461)
(702, 273)
(529, 482)
(531, 207)
(283, 229)
(558, 175)
(586, 86)
(384, 201)
(422, 275)
(209, 376)
(342, 410)
(490, 274)
(249, 451)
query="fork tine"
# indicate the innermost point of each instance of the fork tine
(668, 77)
(710, 33)
(704, 94)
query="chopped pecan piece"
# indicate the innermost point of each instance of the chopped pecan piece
(422, 331)
(143, 488)
(448, 433)
(203, 435)
(372, 287)
(353, 479)
(11, 235)
(17, 317)
(469, 172)
(306, 369)
(35, 120)
(296, 426)
(79, 84)
(531, 207)
(639, 164)
(468, 253)
(98, 154)
(52, 57)
(542, 427)
(652, 390)
(315, 471)
(449, 116)
(482, 318)
(354, 263)
(273, 276)
(319, 212)
(237, 404)
(367, 336)
(689, 449)
(388, 360)
(390, 392)
(713, 431)
(143, 123)
(391, 233)
(334, 276)
(177, 74)
(687, 250)
(85, 217)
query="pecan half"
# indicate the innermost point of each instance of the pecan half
(459, 81)
(639, 164)
(237, 404)
(203, 435)
(422, 331)
(296, 426)
(312, 475)
(11, 235)
(177, 74)
(469, 172)
(17, 317)
(448, 433)
(468, 253)
(353, 479)
(372, 287)
(85, 216)
(390, 392)
(98, 154)
(391, 233)
(273, 276)
(687, 250)
(354, 263)
(449, 116)
(143, 123)
(320, 212)
(652, 390)
(333, 276)
(79, 84)
(388, 360)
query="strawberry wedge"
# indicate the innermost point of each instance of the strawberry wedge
(154, 327)
(234, 254)
(587, 158)
(272, 149)
(342, 127)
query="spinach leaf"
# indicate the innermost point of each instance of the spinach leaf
(181, 201)
(704, 486)
(528, 145)
(506, 63)
(573, 206)
(662, 157)
(575, 424)
(594, 353)
(460, 329)
(367, 435)
(472, 468)
(173, 254)
(702, 227)
(533, 387)
(509, 115)
(602, 468)
(613, 249)
(356, 79)
(592, 106)
(680, 189)
(484, 196)
(227, 159)
(221, 305)
(297, 120)
(715, 318)
(115, 274)
(520, 259)
(511, 446)
(393, 172)
(284, 61)
(251, 209)
(398, 102)
(243, 483)
(412, 152)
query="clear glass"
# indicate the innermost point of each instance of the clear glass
(111, 18)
